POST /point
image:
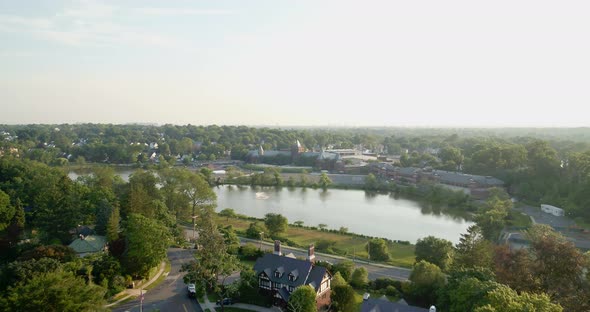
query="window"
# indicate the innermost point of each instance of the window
(264, 283)
(291, 277)
(291, 288)
(277, 274)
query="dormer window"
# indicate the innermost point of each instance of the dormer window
(277, 274)
(291, 277)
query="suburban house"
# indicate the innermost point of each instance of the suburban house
(85, 245)
(384, 305)
(279, 276)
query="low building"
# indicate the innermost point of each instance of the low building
(85, 245)
(558, 212)
(279, 276)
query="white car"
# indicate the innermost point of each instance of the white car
(192, 290)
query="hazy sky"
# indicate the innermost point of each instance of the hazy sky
(273, 62)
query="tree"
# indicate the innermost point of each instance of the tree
(473, 250)
(343, 298)
(302, 300)
(228, 213)
(7, 211)
(298, 223)
(54, 291)
(491, 223)
(338, 280)
(213, 263)
(360, 277)
(147, 241)
(275, 223)
(322, 226)
(505, 299)
(371, 182)
(113, 224)
(345, 268)
(58, 252)
(426, 280)
(59, 211)
(377, 250)
(466, 289)
(198, 191)
(324, 181)
(254, 230)
(434, 250)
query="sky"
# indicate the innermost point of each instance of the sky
(517, 63)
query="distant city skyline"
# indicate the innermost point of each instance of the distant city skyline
(296, 63)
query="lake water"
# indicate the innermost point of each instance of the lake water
(373, 215)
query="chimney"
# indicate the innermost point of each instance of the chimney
(277, 250)
(310, 254)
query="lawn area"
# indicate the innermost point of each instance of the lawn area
(344, 245)
(213, 297)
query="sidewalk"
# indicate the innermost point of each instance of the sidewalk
(128, 293)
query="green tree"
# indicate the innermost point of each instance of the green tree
(505, 299)
(338, 280)
(54, 291)
(325, 181)
(213, 263)
(7, 211)
(345, 268)
(377, 250)
(113, 224)
(228, 213)
(302, 300)
(437, 251)
(59, 212)
(254, 230)
(473, 250)
(426, 280)
(275, 223)
(360, 277)
(343, 298)
(147, 241)
(198, 191)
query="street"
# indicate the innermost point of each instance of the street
(171, 294)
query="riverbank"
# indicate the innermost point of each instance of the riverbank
(329, 241)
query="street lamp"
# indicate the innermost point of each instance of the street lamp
(261, 240)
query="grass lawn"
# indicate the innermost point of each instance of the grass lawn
(345, 245)
(213, 297)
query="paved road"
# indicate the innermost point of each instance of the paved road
(375, 270)
(171, 294)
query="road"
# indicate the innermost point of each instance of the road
(375, 270)
(171, 294)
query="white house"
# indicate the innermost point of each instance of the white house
(558, 212)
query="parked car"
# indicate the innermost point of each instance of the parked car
(192, 290)
(226, 301)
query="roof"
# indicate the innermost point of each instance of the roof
(329, 155)
(380, 305)
(457, 177)
(92, 243)
(305, 272)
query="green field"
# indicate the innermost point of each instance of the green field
(345, 244)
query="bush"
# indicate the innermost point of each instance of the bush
(392, 291)
(250, 251)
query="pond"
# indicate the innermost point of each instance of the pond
(369, 214)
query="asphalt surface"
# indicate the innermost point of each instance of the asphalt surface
(171, 294)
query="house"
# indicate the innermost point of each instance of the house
(383, 305)
(85, 245)
(279, 276)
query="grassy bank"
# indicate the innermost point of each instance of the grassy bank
(349, 245)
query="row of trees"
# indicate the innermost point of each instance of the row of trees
(139, 219)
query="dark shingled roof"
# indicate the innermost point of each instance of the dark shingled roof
(304, 271)
(380, 305)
